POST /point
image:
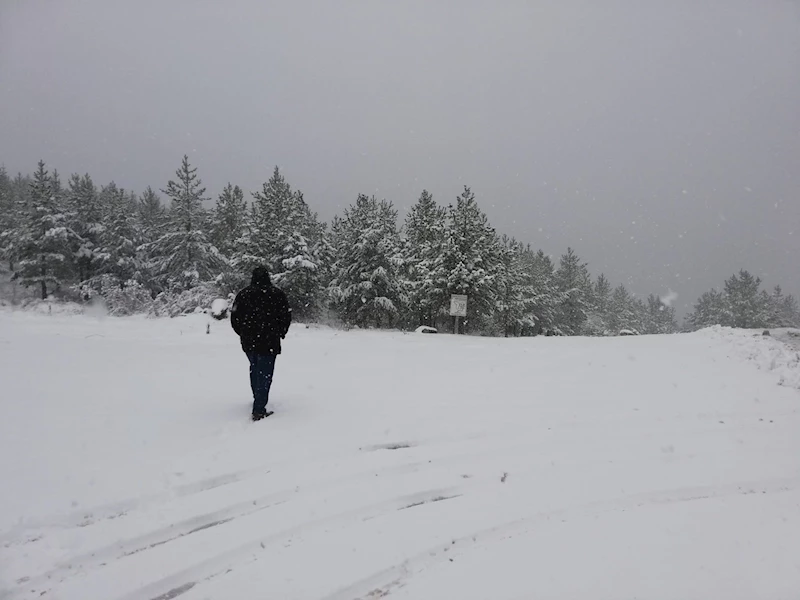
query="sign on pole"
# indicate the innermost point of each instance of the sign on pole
(458, 306)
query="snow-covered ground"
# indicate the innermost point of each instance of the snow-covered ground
(402, 466)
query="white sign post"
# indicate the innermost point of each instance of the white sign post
(458, 308)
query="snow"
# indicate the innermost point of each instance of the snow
(779, 356)
(426, 329)
(219, 307)
(396, 465)
(299, 262)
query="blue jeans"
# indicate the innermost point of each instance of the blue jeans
(262, 367)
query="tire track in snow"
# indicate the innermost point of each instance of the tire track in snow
(100, 513)
(89, 517)
(98, 558)
(182, 581)
(381, 583)
(130, 546)
(113, 510)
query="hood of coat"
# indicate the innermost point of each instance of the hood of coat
(261, 278)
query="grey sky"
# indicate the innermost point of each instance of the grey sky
(661, 139)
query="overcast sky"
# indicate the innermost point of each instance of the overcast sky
(659, 138)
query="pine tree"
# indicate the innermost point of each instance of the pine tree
(230, 216)
(709, 310)
(745, 307)
(366, 287)
(300, 276)
(782, 310)
(658, 317)
(425, 228)
(640, 317)
(86, 219)
(184, 256)
(152, 216)
(16, 219)
(470, 258)
(602, 306)
(574, 282)
(46, 241)
(791, 311)
(282, 234)
(546, 296)
(8, 218)
(272, 212)
(296, 258)
(622, 313)
(515, 293)
(120, 238)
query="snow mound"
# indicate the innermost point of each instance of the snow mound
(426, 329)
(219, 309)
(778, 353)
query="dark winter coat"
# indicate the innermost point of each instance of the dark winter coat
(261, 315)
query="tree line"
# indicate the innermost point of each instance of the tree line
(79, 241)
(742, 303)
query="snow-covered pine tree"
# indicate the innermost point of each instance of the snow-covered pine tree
(58, 191)
(300, 277)
(546, 296)
(765, 302)
(366, 287)
(183, 256)
(121, 237)
(297, 257)
(514, 290)
(622, 312)
(285, 236)
(745, 307)
(574, 283)
(470, 258)
(8, 218)
(87, 221)
(639, 314)
(247, 253)
(659, 318)
(602, 302)
(230, 215)
(11, 240)
(790, 311)
(46, 242)
(424, 230)
(152, 222)
(782, 309)
(271, 214)
(787, 309)
(152, 215)
(709, 310)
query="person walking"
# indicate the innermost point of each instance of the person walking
(261, 317)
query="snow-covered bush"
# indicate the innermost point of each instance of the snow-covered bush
(174, 303)
(120, 298)
(128, 299)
